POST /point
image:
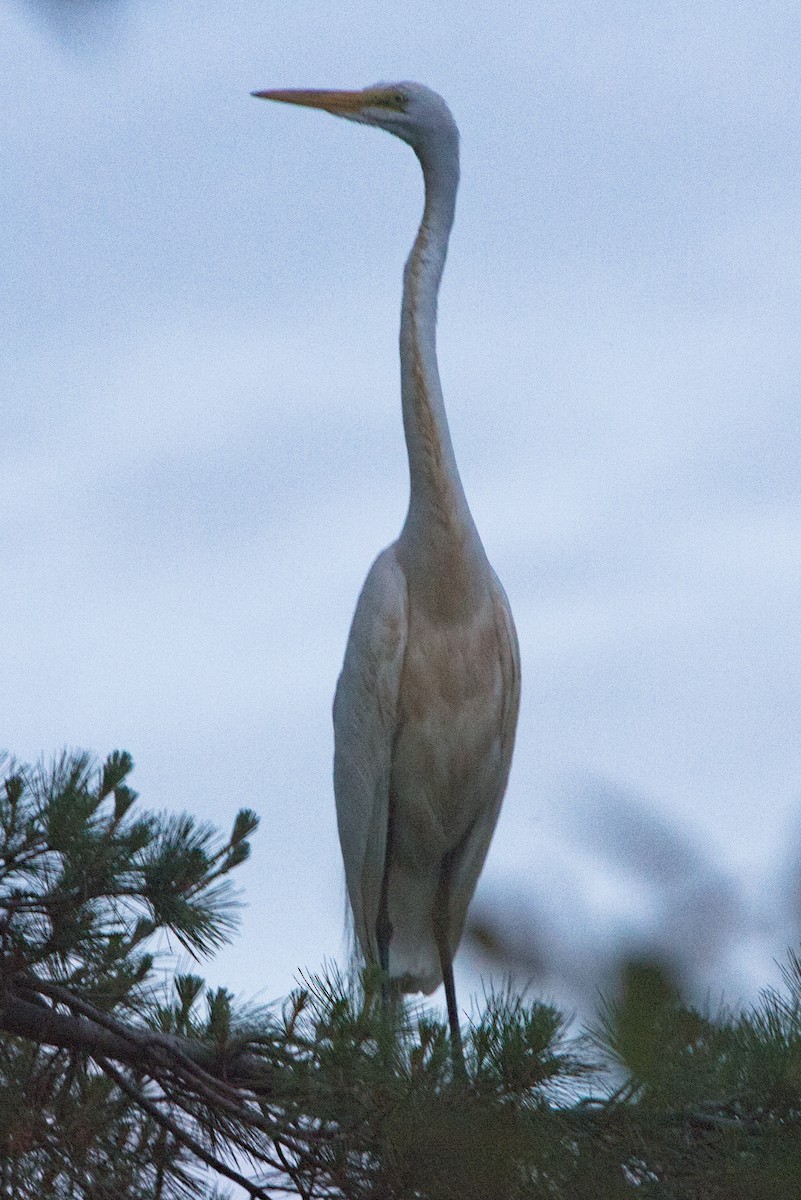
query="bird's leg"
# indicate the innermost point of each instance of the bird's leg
(390, 991)
(383, 925)
(383, 933)
(457, 1049)
(446, 963)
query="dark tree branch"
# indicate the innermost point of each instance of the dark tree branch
(96, 1033)
(144, 1039)
(181, 1135)
(44, 1025)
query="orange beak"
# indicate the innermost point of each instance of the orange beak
(341, 104)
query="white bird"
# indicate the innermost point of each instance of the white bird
(426, 706)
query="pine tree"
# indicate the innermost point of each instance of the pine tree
(114, 1084)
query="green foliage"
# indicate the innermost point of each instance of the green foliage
(117, 1085)
(88, 882)
(401, 1124)
(85, 883)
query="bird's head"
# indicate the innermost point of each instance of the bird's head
(411, 111)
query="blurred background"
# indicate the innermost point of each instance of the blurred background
(201, 447)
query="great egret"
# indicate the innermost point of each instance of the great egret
(426, 705)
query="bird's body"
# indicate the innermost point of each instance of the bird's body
(433, 700)
(426, 705)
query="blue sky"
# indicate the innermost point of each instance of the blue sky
(202, 447)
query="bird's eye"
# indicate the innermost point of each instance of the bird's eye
(388, 98)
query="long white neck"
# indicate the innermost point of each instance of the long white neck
(439, 523)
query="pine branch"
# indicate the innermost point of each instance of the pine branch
(44, 1025)
(147, 1041)
(107, 1090)
(181, 1135)
(142, 1049)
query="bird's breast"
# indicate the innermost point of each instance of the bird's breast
(447, 758)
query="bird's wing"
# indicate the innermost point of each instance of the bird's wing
(510, 666)
(467, 867)
(365, 707)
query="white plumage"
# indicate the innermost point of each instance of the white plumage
(426, 705)
(424, 719)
